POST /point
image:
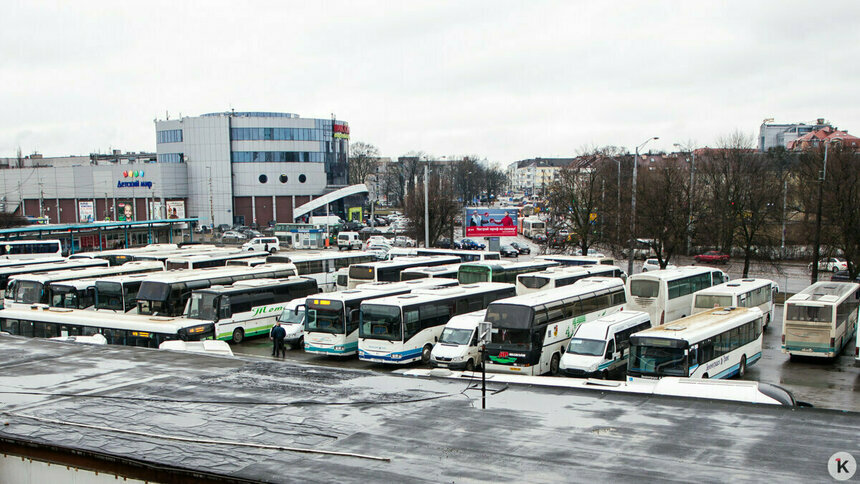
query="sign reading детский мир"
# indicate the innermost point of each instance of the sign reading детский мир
(493, 222)
(135, 183)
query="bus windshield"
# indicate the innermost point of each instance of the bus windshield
(510, 316)
(534, 282)
(325, 318)
(362, 273)
(28, 292)
(652, 360)
(517, 338)
(588, 347)
(203, 306)
(380, 322)
(473, 274)
(708, 301)
(109, 295)
(456, 336)
(642, 288)
(821, 314)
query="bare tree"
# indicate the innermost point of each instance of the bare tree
(664, 213)
(442, 211)
(362, 161)
(574, 203)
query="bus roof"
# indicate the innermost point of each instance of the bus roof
(584, 286)
(302, 256)
(825, 292)
(408, 261)
(54, 266)
(701, 325)
(91, 272)
(509, 264)
(102, 319)
(434, 269)
(599, 328)
(232, 254)
(560, 271)
(6, 263)
(672, 274)
(184, 275)
(381, 289)
(738, 286)
(241, 286)
(436, 293)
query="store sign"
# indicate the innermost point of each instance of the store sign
(341, 131)
(135, 183)
(494, 222)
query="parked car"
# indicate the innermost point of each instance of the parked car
(222, 228)
(591, 253)
(270, 244)
(831, 264)
(539, 239)
(351, 226)
(843, 276)
(654, 265)
(377, 240)
(470, 244)
(403, 241)
(508, 250)
(712, 257)
(443, 243)
(521, 248)
(380, 251)
(232, 236)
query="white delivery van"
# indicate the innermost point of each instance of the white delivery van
(270, 244)
(458, 348)
(600, 348)
(348, 240)
(293, 323)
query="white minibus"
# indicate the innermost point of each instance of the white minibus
(600, 348)
(458, 347)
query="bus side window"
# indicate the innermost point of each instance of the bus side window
(224, 311)
(694, 355)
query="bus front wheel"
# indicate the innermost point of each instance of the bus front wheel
(425, 354)
(238, 335)
(553, 364)
(742, 369)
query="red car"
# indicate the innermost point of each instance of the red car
(712, 257)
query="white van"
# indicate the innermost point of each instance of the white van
(293, 323)
(348, 240)
(458, 348)
(600, 348)
(269, 244)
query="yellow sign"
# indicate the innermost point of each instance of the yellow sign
(140, 334)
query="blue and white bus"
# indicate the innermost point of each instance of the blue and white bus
(402, 329)
(332, 319)
(719, 343)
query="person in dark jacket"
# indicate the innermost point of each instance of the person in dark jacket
(277, 336)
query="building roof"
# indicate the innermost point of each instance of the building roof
(823, 135)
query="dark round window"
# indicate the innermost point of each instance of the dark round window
(302, 178)
(283, 178)
(263, 178)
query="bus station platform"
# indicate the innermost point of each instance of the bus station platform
(178, 417)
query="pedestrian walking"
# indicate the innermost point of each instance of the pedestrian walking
(277, 336)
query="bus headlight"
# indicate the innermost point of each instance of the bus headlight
(338, 348)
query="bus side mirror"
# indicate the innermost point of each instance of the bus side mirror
(296, 310)
(354, 314)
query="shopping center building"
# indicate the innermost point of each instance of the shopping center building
(223, 168)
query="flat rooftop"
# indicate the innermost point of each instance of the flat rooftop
(238, 418)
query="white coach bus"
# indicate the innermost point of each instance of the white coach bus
(402, 329)
(820, 320)
(530, 332)
(719, 343)
(332, 319)
(667, 294)
(554, 277)
(741, 293)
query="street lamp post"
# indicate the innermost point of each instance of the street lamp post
(816, 250)
(633, 207)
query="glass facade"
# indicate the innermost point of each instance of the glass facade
(276, 157)
(171, 158)
(279, 134)
(169, 136)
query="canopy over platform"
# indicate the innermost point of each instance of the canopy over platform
(322, 201)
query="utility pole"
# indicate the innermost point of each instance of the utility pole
(633, 208)
(426, 207)
(211, 209)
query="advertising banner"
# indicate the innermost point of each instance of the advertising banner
(175, 209)
(492, 222)
(156, 211)
(125, 211)
(86, 212)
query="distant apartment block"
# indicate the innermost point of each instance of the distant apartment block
(772, 135)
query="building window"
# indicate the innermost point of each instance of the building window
(171, 158)
(302, 178)
(276, 156)
(169, 136)
(277, 134)
(263, 178)
(283, 178)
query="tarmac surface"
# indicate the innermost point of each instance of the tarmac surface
(135, 403)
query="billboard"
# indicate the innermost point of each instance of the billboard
(492, 222)
(86, 212)
(176, 209)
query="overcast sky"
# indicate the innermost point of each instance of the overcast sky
(505, 80)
